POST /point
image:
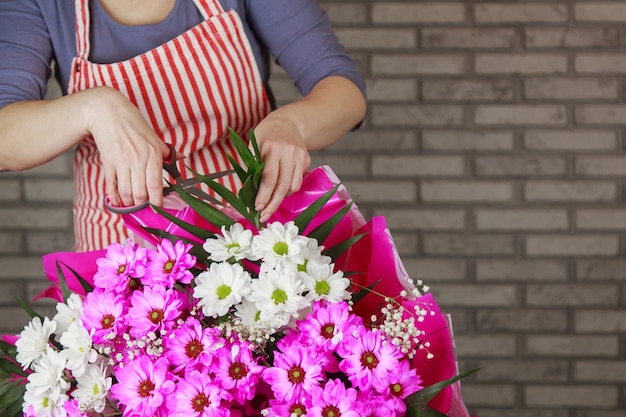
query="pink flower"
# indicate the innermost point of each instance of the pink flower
(403, 381)
(152, 310)
(102, 314)
(238, 371)
(328, 324)
(378, 405)
(334, 400)
(190, 346)
(368, 361)
(197, 396)
(294, 372)
(169, 264)
(289, 408)
(121, 267)
(143, 386)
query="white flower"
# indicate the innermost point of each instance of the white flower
(221, 287)
(250, 317)
(92, 389)
(48, 375)
(234, 243)
(49, 404)
(277, 292)
(68, 313)
(34, 341)
(279, 243)
(77, 349)
(312, 252)
(323, 284)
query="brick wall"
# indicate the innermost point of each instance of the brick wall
(494, 147)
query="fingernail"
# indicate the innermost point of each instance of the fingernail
(264, 217)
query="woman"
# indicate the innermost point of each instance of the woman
(143, 73)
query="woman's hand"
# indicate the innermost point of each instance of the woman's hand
(131, 152)
(286, 161)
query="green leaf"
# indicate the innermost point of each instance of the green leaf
(204, 209)
(337, 250)
(65, 290)
(11, 398)
(230, 198)
(357, 296)
(196, 231)
(247, 194)
(241, 173)
(197, 250)
(8, 349)
(241, 147)
(304, 219)
(9, 368)
(322, 231)
(255, 147)
(32, 313)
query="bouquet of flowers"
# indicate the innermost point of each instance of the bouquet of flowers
(208, 312)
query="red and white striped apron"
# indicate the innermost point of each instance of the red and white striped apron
(190, 89)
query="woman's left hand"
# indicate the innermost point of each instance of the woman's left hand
(286, 158)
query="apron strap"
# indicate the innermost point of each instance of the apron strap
(82, 28)
(209, 8)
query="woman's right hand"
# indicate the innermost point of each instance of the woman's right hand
(131, 152)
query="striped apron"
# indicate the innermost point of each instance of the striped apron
(190, 89)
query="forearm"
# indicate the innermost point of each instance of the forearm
(327, 113)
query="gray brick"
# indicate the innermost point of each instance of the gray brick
(501, 395)
(434, 270)
(572, 37)
(418, 166)
(417, 115)
(11, 242)
(467, 191)
(13, 319)
(569, 346)
(353, 13)
(468, 90)
(601, 270)
(523, 371)
(35, 218)
(382, 191)
(572, 296)
(600, 371)
(521, 63)
(428, 12)
(571, 88)
(456, 295)
(49, 190)
(521, 114)
(11, 289)
(600, 11)
(468, 38)
(466, 140)
(47, 242)
(608, 165)
(571, 191)
(370, 38)
(605, 114)
(61, 166)
(516, 166)
(571, 140)
(600, 321)
(11, 189)
(531, 12)
(486, 346)
(390, 90)
(421, 219)
(570, 396)
(284, 90)
(422, 64)
(521, 321)
(19, 267)
(499, 412)
(377, 140)
(348, 165)
(461, 245)
(570, 245)
(601, 219)
(521, 219)
(599, 63)
(521, 270)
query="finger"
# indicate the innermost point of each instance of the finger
(267, 184)
(124, 187)
(138, 184)
(110, 179)
(154, 181)
(281, 188)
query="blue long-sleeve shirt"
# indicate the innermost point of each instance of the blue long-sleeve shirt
(33, 33)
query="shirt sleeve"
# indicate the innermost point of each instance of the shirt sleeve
(26, 52)
(299, 36)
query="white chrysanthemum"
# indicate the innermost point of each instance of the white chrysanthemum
(48, 374)
(323, 284)
(77, 350)
(277, 292)
(279, 243)
(68, 313)
(34, 341)
(312, 252)
(49, 404)
(234, 243)
(250, 317)
(220, 287)
(92, 388)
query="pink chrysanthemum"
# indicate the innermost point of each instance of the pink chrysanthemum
(296, 407)
(367, 361)
(102, 315)
(122, 267)
(403, 381)
(328, 324)
(238, 371)
(152, 310)
(295, 371)
(143, 387)
(191, 347)
(169, 264)
(197, 396)
(378, 405)
(334, 400)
